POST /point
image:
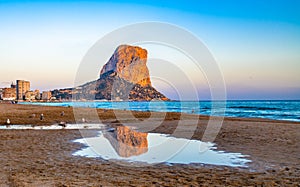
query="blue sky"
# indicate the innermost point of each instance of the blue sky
(256, 43)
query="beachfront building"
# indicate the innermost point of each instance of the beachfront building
(22, 87)
(13, 85)
(37, 94)
(31, 95)
(46, 95)
(1, 93)
(9, 94)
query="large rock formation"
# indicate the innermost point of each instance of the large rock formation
(129, 63)
(124, 77)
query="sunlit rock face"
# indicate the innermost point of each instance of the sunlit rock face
(124, 77)
(128, 142)
(129, 63)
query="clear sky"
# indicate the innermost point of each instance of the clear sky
(256, 43)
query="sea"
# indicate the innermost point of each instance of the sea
(288, 110)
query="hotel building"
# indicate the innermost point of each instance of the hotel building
(22, 88)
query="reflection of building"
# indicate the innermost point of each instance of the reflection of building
(128, 142)
(22, 88)
(9, 94)
(46, 95)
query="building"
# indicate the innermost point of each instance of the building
(30, 95)
(1, 93)
(46, 95)
(37, 94)
(13, 85)
(22, 87)
(9, 94)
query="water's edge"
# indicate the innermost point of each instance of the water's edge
(274, 110)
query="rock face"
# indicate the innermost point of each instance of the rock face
(128, 142)
(129, 63)
(124, 77)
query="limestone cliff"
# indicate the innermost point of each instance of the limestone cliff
(129, 63)
(124, 77)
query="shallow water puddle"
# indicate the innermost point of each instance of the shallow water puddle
(126, 144)
(54, 127)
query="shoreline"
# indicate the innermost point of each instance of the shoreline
(146, 113)
(43, 157)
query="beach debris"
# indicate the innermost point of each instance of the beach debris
(42, 117)
(32, 116)
(62, 123)
(7, 122)
(62, 113)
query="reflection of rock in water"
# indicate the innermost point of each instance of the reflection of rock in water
(128, 142)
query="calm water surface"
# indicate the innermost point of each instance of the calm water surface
(131, 146)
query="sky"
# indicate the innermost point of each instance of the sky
(255, 43)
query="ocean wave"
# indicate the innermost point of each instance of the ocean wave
(277, 110)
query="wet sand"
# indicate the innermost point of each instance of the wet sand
(44, 157)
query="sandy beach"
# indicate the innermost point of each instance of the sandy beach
(44, 157)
